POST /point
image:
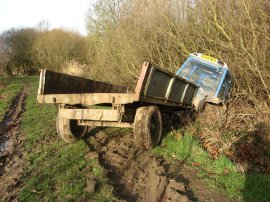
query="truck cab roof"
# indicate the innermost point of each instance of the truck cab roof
(208, 59)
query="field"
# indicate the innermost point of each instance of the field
(36, 165)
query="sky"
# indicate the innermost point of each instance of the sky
(68, 14)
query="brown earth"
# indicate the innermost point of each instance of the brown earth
(138, 175)
(12, 156)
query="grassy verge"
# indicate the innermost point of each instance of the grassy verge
(220, 173)
(56, 171)
(9, 88)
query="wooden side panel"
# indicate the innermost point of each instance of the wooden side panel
(58, 83)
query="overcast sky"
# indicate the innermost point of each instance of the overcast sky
(58, 13)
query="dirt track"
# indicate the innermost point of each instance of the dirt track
(11, 150)
(137, 174)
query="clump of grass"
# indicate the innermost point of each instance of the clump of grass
(55, 173)
(220, 173)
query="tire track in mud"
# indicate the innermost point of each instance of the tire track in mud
(12, 159)
(136, 174)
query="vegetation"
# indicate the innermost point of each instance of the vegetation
(127, 32)
(220, 173)
(26, 50)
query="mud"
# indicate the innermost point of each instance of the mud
(12, 158)
(187, 174)
(137, 175)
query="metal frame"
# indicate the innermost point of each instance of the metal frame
(88, 98)
(105, 124)
(90, 114)
(166, 99)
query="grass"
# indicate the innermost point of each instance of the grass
(9, 88)
(220, 173)
(56, 171)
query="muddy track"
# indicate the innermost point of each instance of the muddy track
(12, 159)
(137, 175)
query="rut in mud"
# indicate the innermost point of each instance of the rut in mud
(12, 160)
(136, 174)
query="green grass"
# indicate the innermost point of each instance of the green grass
(56, 171)
(9, 88)
(221, 173)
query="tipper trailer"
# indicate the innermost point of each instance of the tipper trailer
(84, 103)
(157, 92)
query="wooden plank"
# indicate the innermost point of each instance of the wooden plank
(106, 124)
(90, 114)
(58, 83)
(88, 98)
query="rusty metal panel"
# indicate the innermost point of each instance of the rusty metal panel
(88, 98)
(143, 78)
(90, 114)
(168, 88)
(177, 90)
(162, 102)
(58, 83)
(189, 95)
(158, 83)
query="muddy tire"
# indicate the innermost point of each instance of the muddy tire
(69, 130)
(147, 127)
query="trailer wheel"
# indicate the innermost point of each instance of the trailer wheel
(147, 127)
(69, 130)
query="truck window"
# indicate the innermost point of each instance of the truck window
(201, 74)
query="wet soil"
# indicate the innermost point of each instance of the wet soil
(136, 174)
(187, 174)
(139, 175)
(12, 157)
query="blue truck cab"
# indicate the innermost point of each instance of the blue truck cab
(211, 75)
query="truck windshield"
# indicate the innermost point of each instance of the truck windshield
(203, 75)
